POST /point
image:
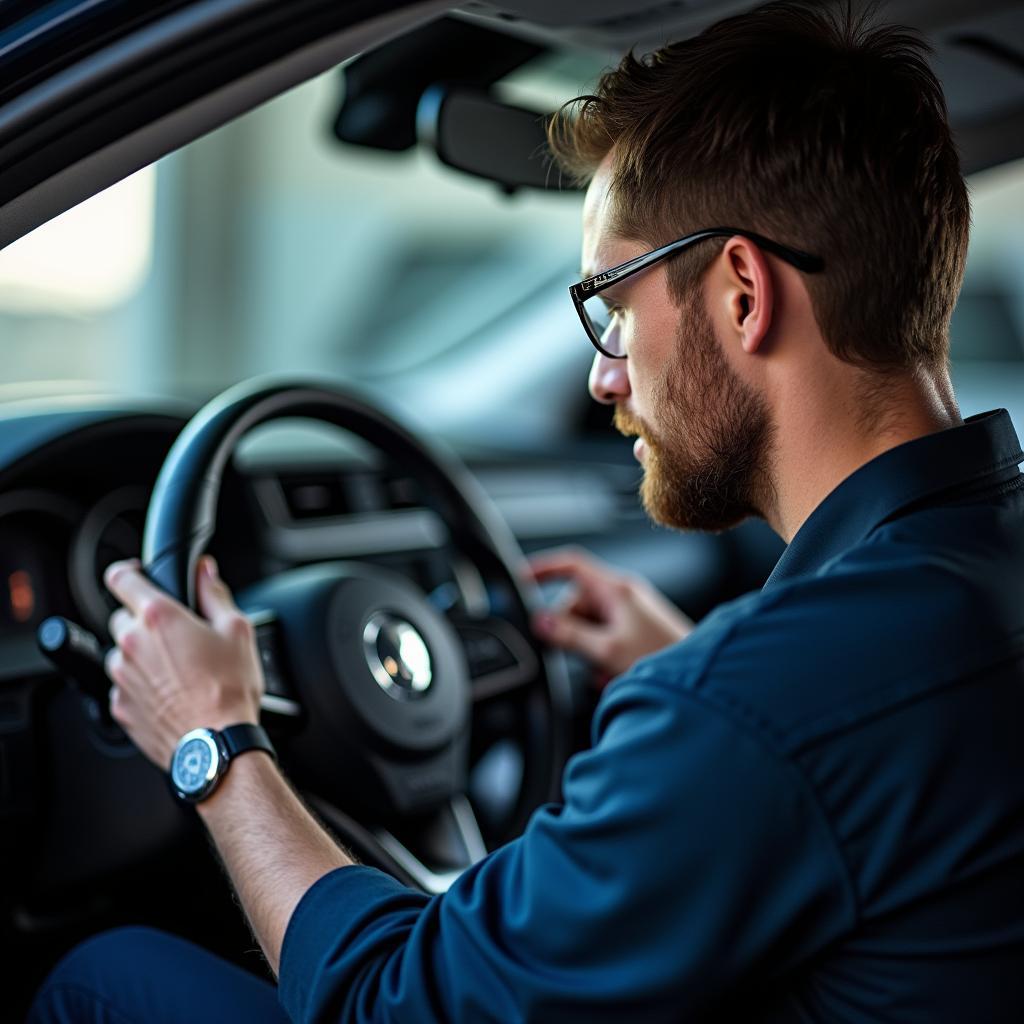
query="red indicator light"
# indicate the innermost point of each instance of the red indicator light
(23, 597)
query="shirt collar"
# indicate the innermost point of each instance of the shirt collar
(984, 446)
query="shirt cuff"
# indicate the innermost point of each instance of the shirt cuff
(333, 911)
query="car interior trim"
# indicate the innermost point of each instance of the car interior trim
(70, 185)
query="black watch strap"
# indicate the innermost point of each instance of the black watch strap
(237, 739)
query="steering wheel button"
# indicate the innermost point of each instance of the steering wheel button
(485, 652)
(273, 679)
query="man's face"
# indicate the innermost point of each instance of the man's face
(704, 435)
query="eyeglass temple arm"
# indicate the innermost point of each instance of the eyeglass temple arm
(801, 260)
(797, 257)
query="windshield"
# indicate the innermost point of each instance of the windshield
(268, 246)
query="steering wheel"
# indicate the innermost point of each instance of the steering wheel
(373, 692)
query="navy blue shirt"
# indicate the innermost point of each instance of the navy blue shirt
(811, 809)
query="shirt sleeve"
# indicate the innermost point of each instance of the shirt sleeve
(687, 863)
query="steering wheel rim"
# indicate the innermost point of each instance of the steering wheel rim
(182, 520)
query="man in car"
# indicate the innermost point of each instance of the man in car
(810, 807)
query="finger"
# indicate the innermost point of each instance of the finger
(121, 706)
(215, 599)
(127, 583)
(561, 562)
(581, 603)
(573, 634)
(591, 589)
(122, 673)
(119, 624)
(594, 582)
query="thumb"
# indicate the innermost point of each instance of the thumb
(215, 600)
(572, 634)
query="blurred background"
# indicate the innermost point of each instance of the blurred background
(269, 245)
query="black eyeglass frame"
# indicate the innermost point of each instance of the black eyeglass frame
(591, 286)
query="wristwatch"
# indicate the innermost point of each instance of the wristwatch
(202, 757)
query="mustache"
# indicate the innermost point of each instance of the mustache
(628, 424)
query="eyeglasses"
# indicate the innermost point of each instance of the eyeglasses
(598, 315)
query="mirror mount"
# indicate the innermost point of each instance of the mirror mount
(472, 131)
(382, 87)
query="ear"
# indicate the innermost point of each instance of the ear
(749, 292)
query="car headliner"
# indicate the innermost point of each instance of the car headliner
(138, 88)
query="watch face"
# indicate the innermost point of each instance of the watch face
(196, 762)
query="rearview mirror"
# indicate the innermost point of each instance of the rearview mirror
(478, 134)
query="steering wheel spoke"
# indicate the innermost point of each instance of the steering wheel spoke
(448, 843)
(500, 658)
(445, 844)
(279, 697)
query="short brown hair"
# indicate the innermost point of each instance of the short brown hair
(815, 127)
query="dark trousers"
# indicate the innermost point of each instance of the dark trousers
(143, 976)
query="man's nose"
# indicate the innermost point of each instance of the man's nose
(609, 379)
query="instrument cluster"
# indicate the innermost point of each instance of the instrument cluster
(53, 551)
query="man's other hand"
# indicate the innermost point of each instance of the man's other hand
(611, 618)
(174, 671)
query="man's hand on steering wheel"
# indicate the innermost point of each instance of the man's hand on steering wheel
(173, 670)
(611, 618)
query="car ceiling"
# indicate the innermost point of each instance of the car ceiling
(95, 121)
(978, 44)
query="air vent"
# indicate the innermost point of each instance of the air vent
(403, 492)
(314, 496)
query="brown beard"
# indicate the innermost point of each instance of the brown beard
(707, 460)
